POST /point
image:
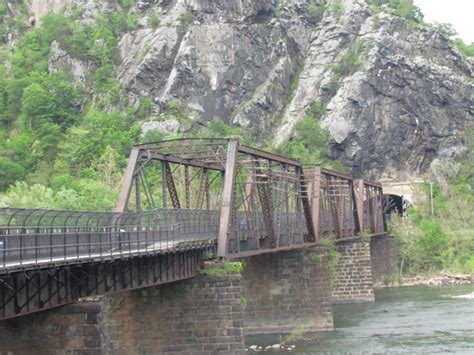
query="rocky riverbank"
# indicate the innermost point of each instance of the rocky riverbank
(440, 279)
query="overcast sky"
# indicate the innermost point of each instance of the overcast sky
(459, 13)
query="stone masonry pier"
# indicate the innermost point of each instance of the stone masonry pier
(353, 272)
(208, 314)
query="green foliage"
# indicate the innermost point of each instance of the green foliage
(10, 172)
(352, 60)
(225, 268)
(153, 135)
(186, 19)
(57, 148)
(447, 29)
(85, 143)
(316, 12)
(333, 255)
(154, 20)
(317, 109)
(144, 107)
(310, 258)
(336, 7)
(310, 143)
(218, 128)
(295, 79)
(131, 22)
(126, 4)
(444, 240)
(24, 195)
(193, 338)
(174, 109)
(450, 32)
(3, 7)
(349, 62)
(403, 8)
(465, 49)
(434, 246)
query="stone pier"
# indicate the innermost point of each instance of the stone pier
(202, 314)
(73, 329)
(285, 291)
(383, 256)
(208, 314)
(353, 273)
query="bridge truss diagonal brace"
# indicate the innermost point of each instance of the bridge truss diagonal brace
(227, 198)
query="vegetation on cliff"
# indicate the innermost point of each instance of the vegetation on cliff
(441, 236)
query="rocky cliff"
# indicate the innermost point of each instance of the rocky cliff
(396, 98)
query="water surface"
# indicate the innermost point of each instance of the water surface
(415, 319)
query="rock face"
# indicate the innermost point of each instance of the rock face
(260, 65)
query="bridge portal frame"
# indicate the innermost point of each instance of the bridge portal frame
(258, 189)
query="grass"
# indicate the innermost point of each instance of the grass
(224, 268)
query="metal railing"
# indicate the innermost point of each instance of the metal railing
(40, 240)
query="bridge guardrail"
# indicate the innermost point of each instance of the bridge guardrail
(34, 245)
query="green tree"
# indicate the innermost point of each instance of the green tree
(310, 142)
(10, 172)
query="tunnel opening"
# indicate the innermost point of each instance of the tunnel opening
(395, 204)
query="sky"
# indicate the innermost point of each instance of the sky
(459, 13)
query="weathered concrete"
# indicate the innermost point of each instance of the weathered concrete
(383, 257)
(285, 291)
(353, 273)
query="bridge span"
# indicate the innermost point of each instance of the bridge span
(181, 202)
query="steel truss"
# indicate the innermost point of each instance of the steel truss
(33, 290)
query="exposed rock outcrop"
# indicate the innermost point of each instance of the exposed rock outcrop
(260, 65)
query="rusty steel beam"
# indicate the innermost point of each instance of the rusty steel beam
(187, 187)
(359, 202)
(263, 191)
(246, 254)
(336, 174)
(127, 181)
(315, 199)
(203, 192)
(227, 197)
(268, 156)
(171, 186)
(306, 208)
(190, 162)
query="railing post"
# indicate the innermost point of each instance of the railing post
(359, 202)
(227, 197)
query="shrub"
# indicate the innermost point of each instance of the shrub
(131, 22)
(154, 20)
(126, 4)
(336, 7)
(316, 12)
(310, 142)
(186, 19)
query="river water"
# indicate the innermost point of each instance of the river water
(410, 320)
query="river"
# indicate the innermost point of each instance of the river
(416, 319)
